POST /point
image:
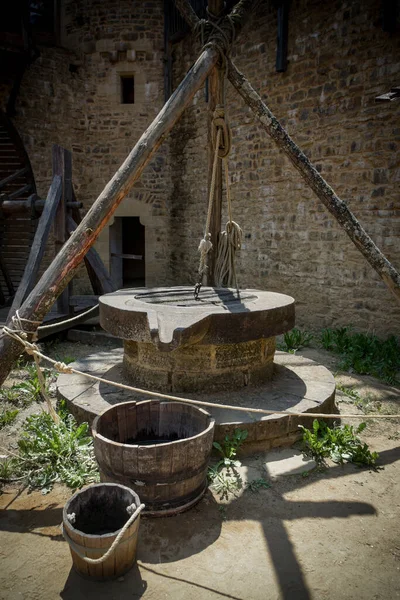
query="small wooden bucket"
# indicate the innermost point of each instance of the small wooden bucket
(92, 519)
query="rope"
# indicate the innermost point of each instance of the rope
(31, 348)
(101, 559)
(230, 241)
(205, 244)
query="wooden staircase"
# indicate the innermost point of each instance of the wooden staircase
(16, 233)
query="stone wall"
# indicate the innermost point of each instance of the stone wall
(340, 59)
(118, 38)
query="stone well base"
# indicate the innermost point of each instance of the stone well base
(298, 384)
(199, 367)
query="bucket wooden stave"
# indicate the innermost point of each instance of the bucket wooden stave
(97, 509)
(171, 474)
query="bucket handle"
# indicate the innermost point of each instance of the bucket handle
(97, 561)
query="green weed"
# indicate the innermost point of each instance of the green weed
(229, 448)
(55, 452)
(340, 443)
(31, 386)
(257, 484)
(223, 477)
(7, 467)
(7, 417)
(295, 339)
(364, 353)
(349, 392)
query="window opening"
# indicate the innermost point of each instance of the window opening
(127, 89)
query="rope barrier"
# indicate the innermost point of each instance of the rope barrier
(33, 349)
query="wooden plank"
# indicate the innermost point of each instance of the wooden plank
(11, 178)
(116, 265)
(10, 207)
(62, 165)
(6, 275)
(128, 256)
(21, 191)
(103, 283)
(39, 244)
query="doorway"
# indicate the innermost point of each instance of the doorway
(127, 252)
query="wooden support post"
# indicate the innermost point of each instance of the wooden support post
(62, 165)
(65, 264)
(98, 274)
(316, 182)
(215, 98)
(39, 244)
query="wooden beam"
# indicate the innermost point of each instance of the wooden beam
(62, 165)
(66, 263)
(15, 175)
(314, 180)
(38, 245)
(16, 207)
(21, 191)
(7, 278)
(337, 207)
(102, 283)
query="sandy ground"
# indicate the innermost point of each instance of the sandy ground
(321, 535)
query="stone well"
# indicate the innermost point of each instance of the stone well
(219, 349)
(174, 343)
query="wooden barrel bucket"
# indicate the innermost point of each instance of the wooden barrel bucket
(92, 519)
(158, 448)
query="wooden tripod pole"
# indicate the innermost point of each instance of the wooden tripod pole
(312, 177)
(66, 263)
(337, 207)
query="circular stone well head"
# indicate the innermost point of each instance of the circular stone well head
(174, 342)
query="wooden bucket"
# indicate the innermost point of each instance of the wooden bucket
(160, 449)
(92, 519)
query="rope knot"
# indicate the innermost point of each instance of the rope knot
(62, 367)
(219, 123)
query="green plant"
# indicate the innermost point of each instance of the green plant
(295, 339)
(365, 353)
(31, 386)
(327, 339)
(347, 391)
(12, 395)
(7, 417)
(52, 452)
(340, 443)
(67, 360)
(257, 484)
(222, 512)
(7, 468)
(224, 483)
(229, 448)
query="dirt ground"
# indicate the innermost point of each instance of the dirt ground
(321, 535)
